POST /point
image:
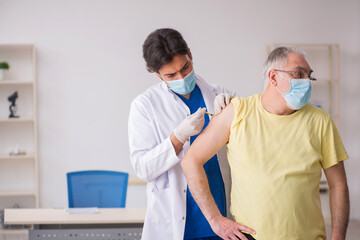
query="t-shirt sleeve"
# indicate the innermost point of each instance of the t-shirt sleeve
(240, 108)
(332, 148)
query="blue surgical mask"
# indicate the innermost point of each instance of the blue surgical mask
(185, 85)
(299, 93)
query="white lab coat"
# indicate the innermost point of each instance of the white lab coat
(153, 117)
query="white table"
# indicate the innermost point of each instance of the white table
(108, 223)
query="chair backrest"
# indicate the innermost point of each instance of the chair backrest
(105, 189)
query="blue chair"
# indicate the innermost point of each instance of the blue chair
(104, 189)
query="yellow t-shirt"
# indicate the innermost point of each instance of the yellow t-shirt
(276, 166)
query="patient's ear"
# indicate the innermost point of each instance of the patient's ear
(272, 77)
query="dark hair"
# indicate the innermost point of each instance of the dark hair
(161, 46)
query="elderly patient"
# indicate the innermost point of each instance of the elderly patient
(277, 144)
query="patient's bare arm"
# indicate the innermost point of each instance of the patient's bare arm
(206, 145)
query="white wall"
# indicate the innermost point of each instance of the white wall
(90, 67)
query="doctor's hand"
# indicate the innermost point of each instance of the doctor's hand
(190, 126)
(221, 101)
(228, 229)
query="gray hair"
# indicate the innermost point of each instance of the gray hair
(278, 58)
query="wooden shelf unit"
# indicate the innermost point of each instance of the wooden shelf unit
(22, 189)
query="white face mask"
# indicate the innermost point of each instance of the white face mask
(185, 85)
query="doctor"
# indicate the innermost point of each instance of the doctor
(163, 122)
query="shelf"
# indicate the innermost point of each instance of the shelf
(9, 231)
(323, 187)
(17, 157)
(321, 82)
(19, 173)
(133, 180)
(16, 82)
(17, 46)
(17, 193)
(16, 120)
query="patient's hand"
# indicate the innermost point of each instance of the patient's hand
(228, 229)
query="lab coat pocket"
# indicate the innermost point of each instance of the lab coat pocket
(160, 206)
(161, 183)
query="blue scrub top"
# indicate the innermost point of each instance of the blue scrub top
(196, 225)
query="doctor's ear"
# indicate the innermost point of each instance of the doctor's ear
(159, 76)
(190, 55)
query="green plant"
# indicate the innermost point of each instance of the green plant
(4, 65)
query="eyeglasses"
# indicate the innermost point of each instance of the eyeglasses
(298, 75)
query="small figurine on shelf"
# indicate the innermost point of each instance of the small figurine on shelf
(17, 151)
(12, 98)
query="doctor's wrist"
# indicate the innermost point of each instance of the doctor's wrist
(177, 144)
